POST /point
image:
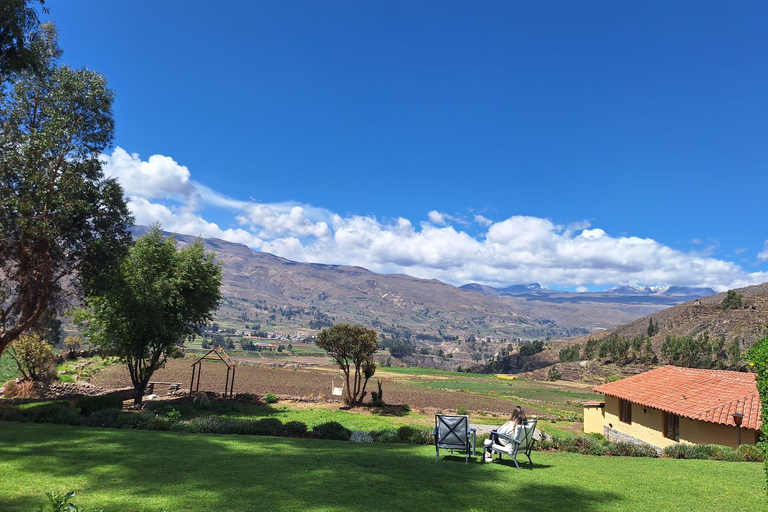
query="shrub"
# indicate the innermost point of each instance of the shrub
(749, 453)
(331, 430)
(624, 449)
(701, 451)
(90, 404)
(270, 398)
(261, 427)
(106, 418)
(58, 502)
(554, 374)
(137, 420)
(173, 415)
(9, 389)
(10, 413)
(24, 389)
(181, 409)
(732, 300)
(360, 436)
(384, 436)
(34, 357)
(377, 398)
(54, 412)
(462, 411)
(295, 429)
(406, 408)
(412, 435)
(203, 425)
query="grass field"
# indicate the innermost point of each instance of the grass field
(125, 470)
(8, 369)
(311, 415)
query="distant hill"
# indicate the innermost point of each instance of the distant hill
(694, 317)
(274, 293)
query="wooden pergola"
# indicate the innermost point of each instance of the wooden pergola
(217, 354)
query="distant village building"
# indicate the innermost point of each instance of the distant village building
(697, 302)
(673, 405)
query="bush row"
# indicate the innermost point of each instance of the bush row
(745, 452)
(62, 412)
(588, 445)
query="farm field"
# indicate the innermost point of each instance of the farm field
(446, 391)
(128, 470)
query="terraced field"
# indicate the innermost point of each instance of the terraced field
(426, 390)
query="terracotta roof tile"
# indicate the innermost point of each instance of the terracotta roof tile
(705, 395)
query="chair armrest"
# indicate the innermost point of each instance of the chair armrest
(506, 437)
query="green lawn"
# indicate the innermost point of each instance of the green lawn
(311, 416)
(8, 369)
(124, 470)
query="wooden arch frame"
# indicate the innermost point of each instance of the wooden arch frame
(215, 354)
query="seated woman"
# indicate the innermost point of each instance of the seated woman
(509, 428)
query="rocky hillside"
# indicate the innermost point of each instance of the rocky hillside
(748, 323)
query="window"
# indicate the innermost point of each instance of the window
(625, 411)
(671, 426)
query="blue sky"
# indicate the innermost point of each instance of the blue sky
(577, 144)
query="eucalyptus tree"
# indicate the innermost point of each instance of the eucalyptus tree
(18, 22)
(63, 226)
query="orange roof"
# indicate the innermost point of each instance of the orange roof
(705, 395)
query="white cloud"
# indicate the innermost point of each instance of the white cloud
(160, 176)
(763, 255)
(483, 221)
(436, 217)
(520, 249)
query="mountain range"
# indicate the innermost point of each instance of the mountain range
(273, 293)
(659, 295)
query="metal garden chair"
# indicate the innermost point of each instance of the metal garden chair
(451, 433)
(522, 442)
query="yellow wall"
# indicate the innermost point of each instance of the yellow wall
(647, 425)
(594, 419)
(701, 432)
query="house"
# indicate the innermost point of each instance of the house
(672, 405)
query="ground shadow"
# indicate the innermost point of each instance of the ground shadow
(122, 470)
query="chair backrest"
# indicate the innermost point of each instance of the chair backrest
(525, 434)
(451, 431)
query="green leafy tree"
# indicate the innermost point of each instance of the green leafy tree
(48, 327)
(732, 300)
(648, 356)
(591, 348)
(160, 297)
(570, 354)
(353, 348)
(758, 362)
(18, 21)
(60, 219)
(734, 354)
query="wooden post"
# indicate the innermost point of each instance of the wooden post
(199, 371)
(232, 384)
(192, 383)
(226, 384)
